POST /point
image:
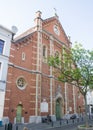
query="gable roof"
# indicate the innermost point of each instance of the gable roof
(54, 18)
(45, 22)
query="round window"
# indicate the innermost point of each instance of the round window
(21, 83)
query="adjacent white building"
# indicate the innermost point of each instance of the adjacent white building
(90, 101)
(5, 44)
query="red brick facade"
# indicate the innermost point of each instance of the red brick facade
(27, 62)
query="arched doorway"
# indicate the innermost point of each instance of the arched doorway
(58, 108)
(59, 103)
(19, 114)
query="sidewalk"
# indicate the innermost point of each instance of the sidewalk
(38, 126)
(31, 126)
(45, 126)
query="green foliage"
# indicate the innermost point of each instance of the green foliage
(75, 67)
(84, 60)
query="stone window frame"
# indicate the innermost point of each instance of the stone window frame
(23, 56)
(19, 81)
(57, 53)
(56, 29)
(44, 53)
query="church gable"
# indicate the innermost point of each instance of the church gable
(54, 27)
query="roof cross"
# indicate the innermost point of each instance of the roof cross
(55, 13)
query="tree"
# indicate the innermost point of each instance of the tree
(75, 66)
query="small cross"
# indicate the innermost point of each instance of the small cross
(55, 11)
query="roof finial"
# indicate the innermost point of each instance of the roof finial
(55, 12)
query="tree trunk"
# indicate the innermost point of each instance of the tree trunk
(86, 117)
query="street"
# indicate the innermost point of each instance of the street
(70, 127)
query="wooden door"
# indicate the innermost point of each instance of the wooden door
(19, 114)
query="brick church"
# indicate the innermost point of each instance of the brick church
(32, 90)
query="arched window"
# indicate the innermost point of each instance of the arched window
(44, 53)
(56, 54)
(23, 56)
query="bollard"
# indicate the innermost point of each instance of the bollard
(9, 126)
(17, 127)
(89, 116)
(67, 121)
(52, 123)
(60, 123)
(5, 126)
(73, 121)
(77, 119)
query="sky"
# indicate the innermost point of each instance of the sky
(76, 16)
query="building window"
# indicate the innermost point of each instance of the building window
(0, 65)
(56, 30)
(23, 56)
(1, 46)
(56, 54)
(21, 83)
(44, 53)
(0, 69)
